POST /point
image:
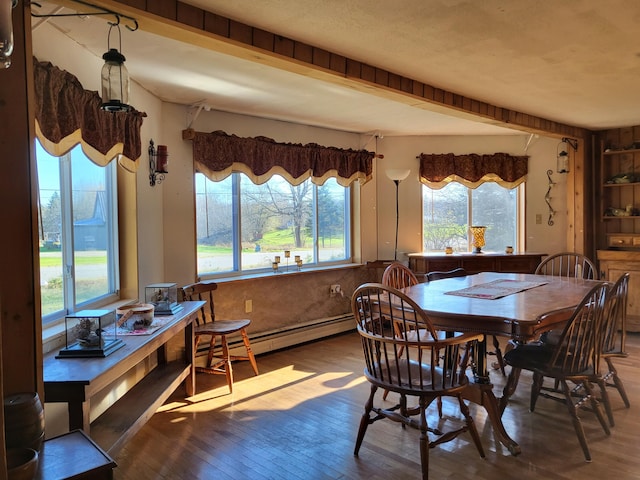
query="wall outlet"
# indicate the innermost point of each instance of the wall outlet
(248, 306)
(335, 289)
(538, 219)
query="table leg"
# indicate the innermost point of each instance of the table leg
(79, 418)
(482, 394)
(190, 381)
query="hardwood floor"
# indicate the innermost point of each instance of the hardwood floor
(298, 420)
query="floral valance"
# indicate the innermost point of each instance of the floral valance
(67, 114)
(438, 170)
(218, 154)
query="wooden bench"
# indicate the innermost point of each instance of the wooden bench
(75, 380)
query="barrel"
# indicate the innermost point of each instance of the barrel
(23, 421)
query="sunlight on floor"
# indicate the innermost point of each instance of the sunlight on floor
(266, 384)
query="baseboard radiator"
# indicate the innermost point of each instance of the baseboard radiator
(278, 339)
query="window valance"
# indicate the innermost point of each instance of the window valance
(218, 154)
(438, 170)
(67, 114)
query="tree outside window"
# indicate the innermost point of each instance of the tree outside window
(242, 226)
(450, 211)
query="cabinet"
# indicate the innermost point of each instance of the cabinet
(620, 198)
(612, 265)
(618, 218)
(422, 263)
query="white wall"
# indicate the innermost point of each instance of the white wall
(401, 152)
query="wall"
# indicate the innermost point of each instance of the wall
(401, 152)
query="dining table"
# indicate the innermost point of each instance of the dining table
(514, 305)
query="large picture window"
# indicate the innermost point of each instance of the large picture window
(450, 211)
(78, 232)
(242, 226)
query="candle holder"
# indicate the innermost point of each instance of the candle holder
(477, 233)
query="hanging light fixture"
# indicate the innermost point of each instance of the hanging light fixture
(563, 154)
(114, 77)
(6, 31)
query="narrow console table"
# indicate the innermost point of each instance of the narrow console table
(421, 263)
(75, 380)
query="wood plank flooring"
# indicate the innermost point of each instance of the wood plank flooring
(298, 420)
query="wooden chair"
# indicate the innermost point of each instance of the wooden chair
(218, 362)
(426, 367)
(615, 335)
(461, 272)
(573, 359)
(397, 275)
(568, 264)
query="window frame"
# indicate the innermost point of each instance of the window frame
(68, 251)
(520, 227)
(238, 271)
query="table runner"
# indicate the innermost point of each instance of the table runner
(496, 289)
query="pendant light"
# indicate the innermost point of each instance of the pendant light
(114, 77)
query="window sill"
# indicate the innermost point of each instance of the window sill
(293, 270)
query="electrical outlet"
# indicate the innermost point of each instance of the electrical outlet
(538, 219)
(335, 289)
(248, 306)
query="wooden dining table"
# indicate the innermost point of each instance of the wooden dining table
(513, 305)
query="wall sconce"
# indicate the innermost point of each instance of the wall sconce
(397, 175)
(158, 160)
(6, 31)
(478, 237)
(563, 154)
(114, 77)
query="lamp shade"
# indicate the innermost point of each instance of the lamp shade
(397, 174)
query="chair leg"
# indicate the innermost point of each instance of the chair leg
(250, 355)
(365, 421)
(595, 406)
(617, 383)
(606, 402)
(577, 425)
(424, 438)
(228, 369)
(536, 385)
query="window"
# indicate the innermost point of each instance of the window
(78, 232)
(448, 213)
(242, 226)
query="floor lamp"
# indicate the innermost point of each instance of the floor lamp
(397, 175)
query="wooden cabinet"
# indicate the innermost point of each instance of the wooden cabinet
(620, 198)
(618, 222)
(422, 263)
(612, 265)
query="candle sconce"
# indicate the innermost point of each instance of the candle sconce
(287, 254)
(158, 160)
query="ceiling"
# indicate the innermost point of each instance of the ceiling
(574, 62)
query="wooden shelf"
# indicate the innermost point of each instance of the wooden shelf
(123, 419)
(630, 184)
(618, 152)
(613, 217)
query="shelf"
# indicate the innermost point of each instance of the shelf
(123, 419)
(628, 217)
(618, 152)
(629, 184)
